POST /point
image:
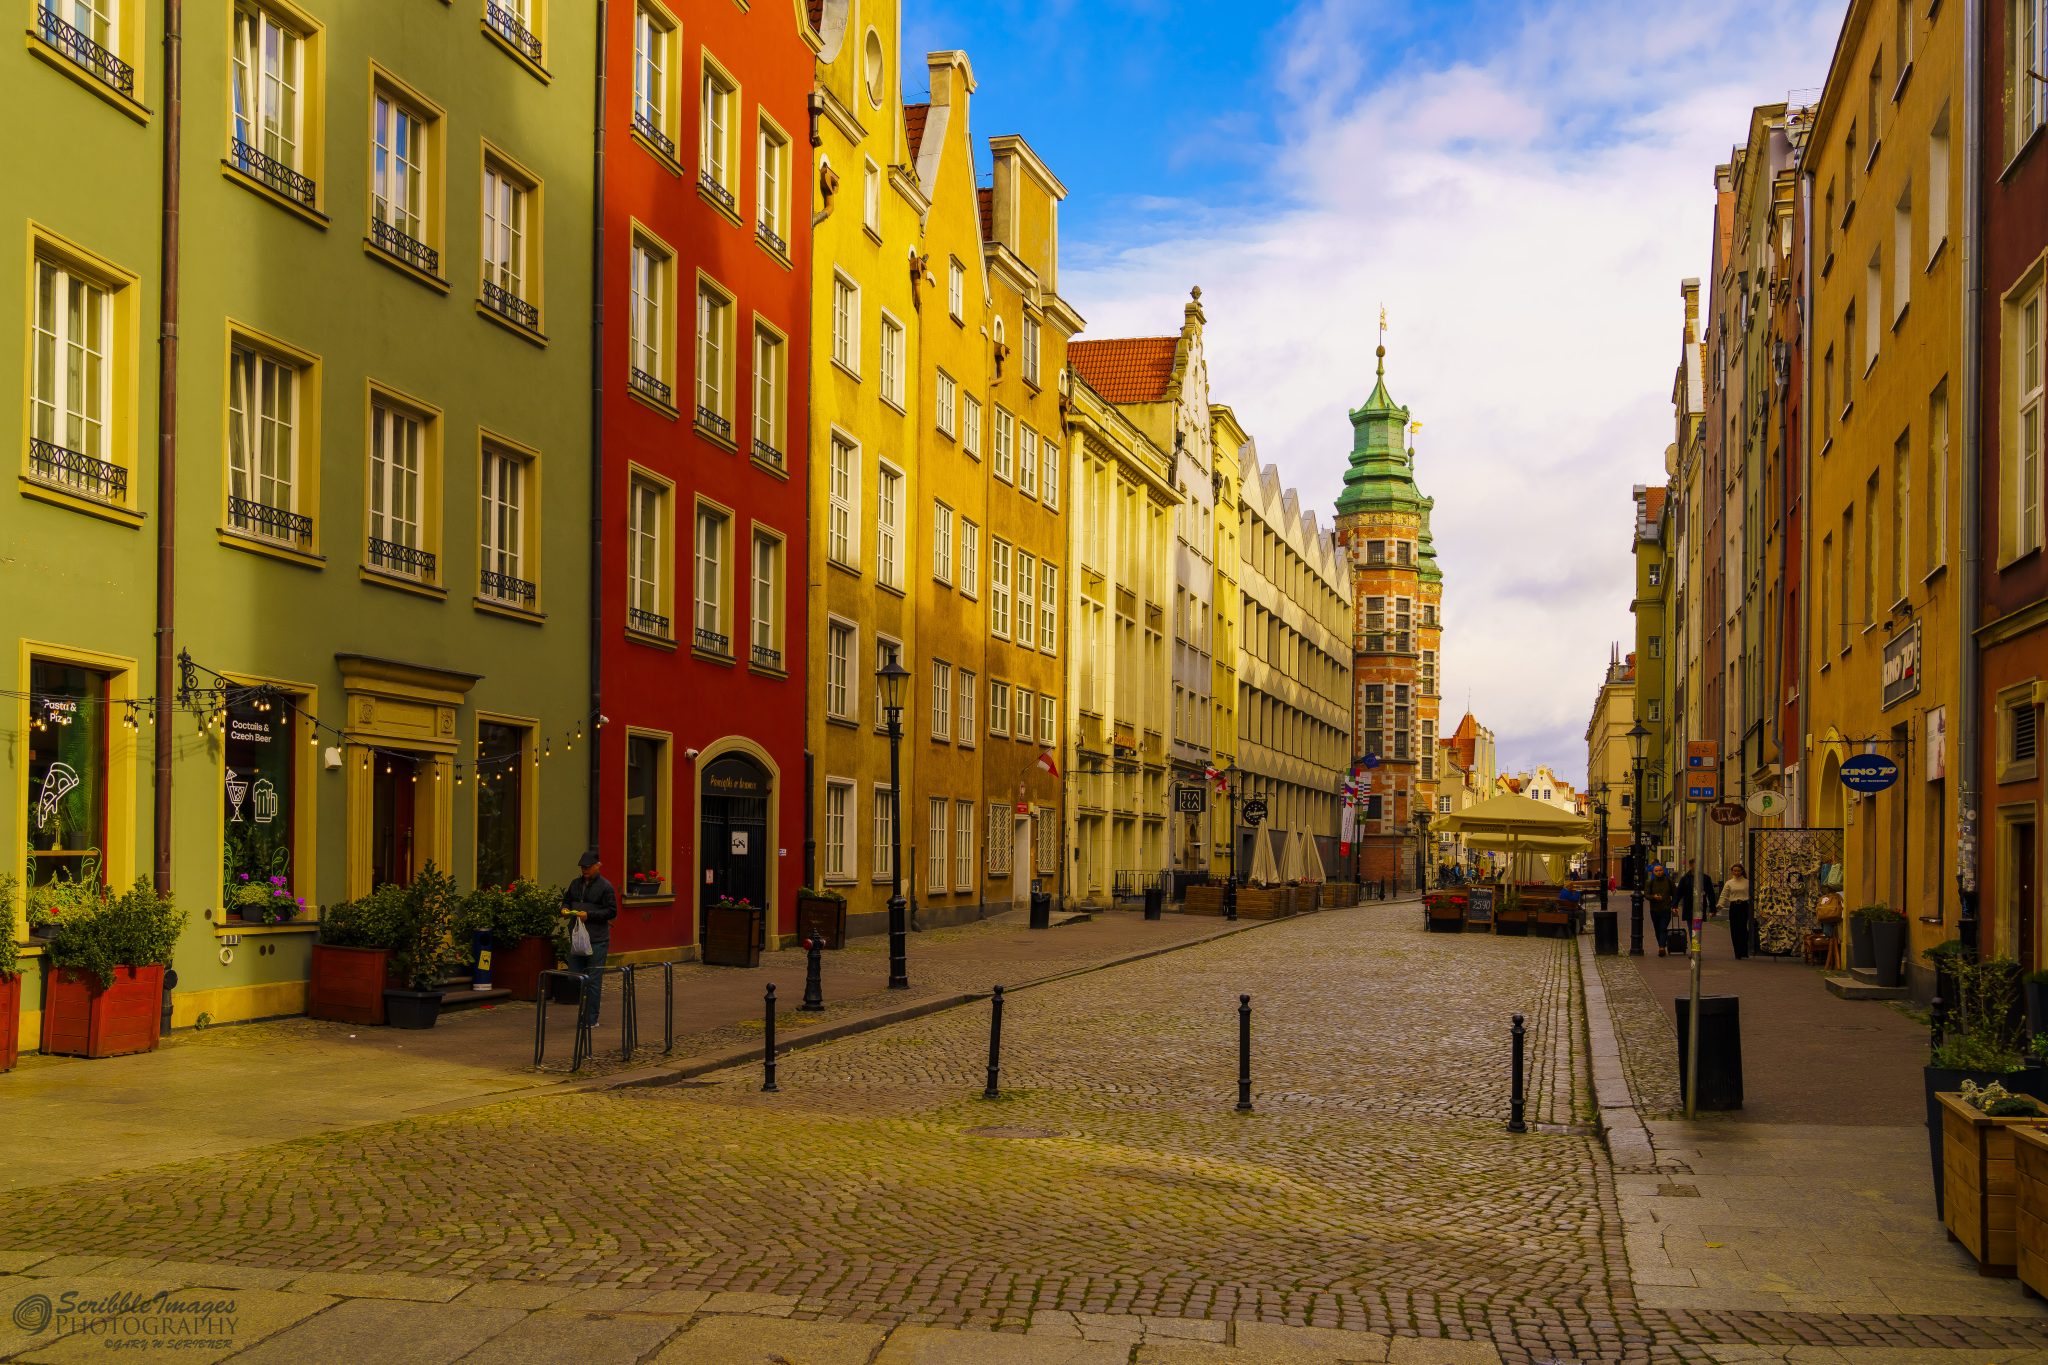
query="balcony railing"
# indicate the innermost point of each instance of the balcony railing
(767, 454)
(406, 560)
(270, 523)
(509, 305)
(711, 642)
(647, 622)
(711, 421)
(651, 386)
(395, 241)
(83, 51)
(274, 173)
(710, 184)
(503, 587)
(767, 657)
(76, 473)
(771, 239)
(653, 134)
(507, 25)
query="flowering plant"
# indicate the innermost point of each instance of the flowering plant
(1995, 1101)
(725, 902)
(266, 900)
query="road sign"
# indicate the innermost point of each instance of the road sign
(1255, 810)
(1765, 804)
(1702, 753)
(1191, 799)
(1727, 813)
(1703, 786)
(1869, 773)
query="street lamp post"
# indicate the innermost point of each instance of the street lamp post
(1600, 809)
(891, 678)
(1421, 849)
(1637, 735)
(1230, 887)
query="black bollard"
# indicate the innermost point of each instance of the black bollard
(995, 1044)
(1244, 1054)
(768, 1045)
(1515, 1100)
(1937, 1017)
(814, 984)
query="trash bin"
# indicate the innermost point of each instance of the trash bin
(1607, 932)
(1155, 900)
(1720, 1050)
(1041, 910)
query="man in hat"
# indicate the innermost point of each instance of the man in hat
(593, 900)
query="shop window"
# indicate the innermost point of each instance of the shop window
(259, 810)
(67, 773)
(647, 841)
(501, 751)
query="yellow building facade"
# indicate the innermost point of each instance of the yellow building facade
(1229, 439)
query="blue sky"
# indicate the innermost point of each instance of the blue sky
(1523, 185)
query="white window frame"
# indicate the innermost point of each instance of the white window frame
(273, 123)
(845, 323)
(771, 181)
(1027, 461)
(718, 113)
(711, 553)
(2028, 327)
(401, 162)
(970, 559)
(963, 845)
(1029, 343)
(507, 197)
(842, 518)
(942, 699)
(871, 198)
(956, 290)
(397, 506)
(771, 351)
(889, 493)
(891, 360)
(838, 827)
(842, 686)
(654, 51)
(1003, 467)
(999, 588)
(998, 707)
(966, 730)
(938, 846)
(504, 476)
(2026, 52)
(1049, 474)
(942, 542)
(647, 338)
(647, 569)
(715, 310)
(1025, 630)
(883, 855)
(764, 598)
(970, 425)
(1048, 720)
(1001, 839)
(268, 475)
(945, 404)
(1048, 607)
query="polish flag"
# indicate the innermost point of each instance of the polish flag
(1045, 762)
(1214, 775)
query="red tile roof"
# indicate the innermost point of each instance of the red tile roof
(1127, 370)
(987, 199)
(914, 116)
(1653, 503)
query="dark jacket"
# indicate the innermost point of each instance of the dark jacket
(600, 902)
(1660, 889)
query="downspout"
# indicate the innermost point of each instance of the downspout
(167, 446)
(1806, 578)
(1969, 721)
(597, 442)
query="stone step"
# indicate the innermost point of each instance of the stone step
(1853, 987)
(460, 994)
(1060, 917)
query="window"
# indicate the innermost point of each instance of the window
(1048, 721)
(1902, 486)
(840, 690)
(265, 487)
(714, 529)
(839, 815)
(967, 720)
(889, 527)
(68, 772)
(963, 845)
(1049, 472)
(885, 832)
(942, 542)
(885, 650)
(259, 814)
(937, 847)
(1848, 358)
(714, 360)
(1022, 710)
(842, 522)
(400, 192)
(1902, 34)
(956, 290)
(1848, 561)
(1429, 667)
(654, 73)
(1873, 88)
(1873, 308)
(267, 138)
(1656, 646)
(945, 404)
(399, 487)
(2019, 736)
(942, 699)
(845, 323)
(1935, 500)
(1027, 462)
(970, 558)
(718, 177)
(1902, 253)
(2027, 415)
(892, 361)
(647, 557)
(970, 425)
(1006, 440)
(771, 189)
(1027, 600)
(871, 198)
(1827, 596)
(509, 281)
(770, 369)
(1827, 391)
(78, 332)
(1937, 183)
(764, 603)
(517, 25)
(647, 838)
(505, 576)
(647, 326)
(999, 589)
(1048, 608)
(502, 756)
(1000, 836)
(1032, 328)
(2027, 46)
(998, 707)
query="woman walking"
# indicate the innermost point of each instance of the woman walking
(1660, 890)
(1735, 900)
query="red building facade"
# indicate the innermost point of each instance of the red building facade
(703, 406)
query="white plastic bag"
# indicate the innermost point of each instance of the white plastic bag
(579, 938)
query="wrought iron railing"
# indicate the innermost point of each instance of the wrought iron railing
(647, 622)
(651, 386)
(767, 657)
(712, 421)
(503, 587)
(392, 557)
(110, 70)
(397, 242)
(271, 523)
(274, 173)
(507, 304)
(74, 472)
(508, 26)
(766, 453)
(653, 134)
(710, 184)
(771, 239)
(711, 642)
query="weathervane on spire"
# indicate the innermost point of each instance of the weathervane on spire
(1383, 324)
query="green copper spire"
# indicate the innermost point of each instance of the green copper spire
(1380, 477)
(1425, 548)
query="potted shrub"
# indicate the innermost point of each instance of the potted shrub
(1882, 933)
(1980, 1206)
(264, 900)
(732, 933)
(10, 976)
(522, 920)
(352, 958)
(1980, 1043)
(1859, 937)
(821, 914)
(103, 995)
(426, 914)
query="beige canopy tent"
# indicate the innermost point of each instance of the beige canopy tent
(1538, 838)
(1312, 866)
(1265, 872)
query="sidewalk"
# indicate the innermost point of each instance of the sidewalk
(229, 1089)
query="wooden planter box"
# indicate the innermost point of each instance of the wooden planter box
(2030, 1162)
(1203, 900)
(1264, 902)
(1553, 923)
(10, 1022)
(518, 967)
(1514, 923)
(822, 918)
(732, 936)
(1980, 1182)
(81, 1018)
(347, 984)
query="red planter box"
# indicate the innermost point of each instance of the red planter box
(81, 1018)
(518, 968)
(10, 1021)
(347, 984)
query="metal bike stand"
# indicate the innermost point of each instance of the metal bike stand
(581, 1051)
(668, 1002)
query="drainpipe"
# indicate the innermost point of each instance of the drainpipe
(1968, 718)
(597, 437)
(1802, 720)
(167, 446)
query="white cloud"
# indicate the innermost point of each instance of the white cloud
(1525, 211)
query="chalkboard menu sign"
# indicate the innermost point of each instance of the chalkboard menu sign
(1479, 905)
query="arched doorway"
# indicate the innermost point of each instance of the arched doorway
(734, 832)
